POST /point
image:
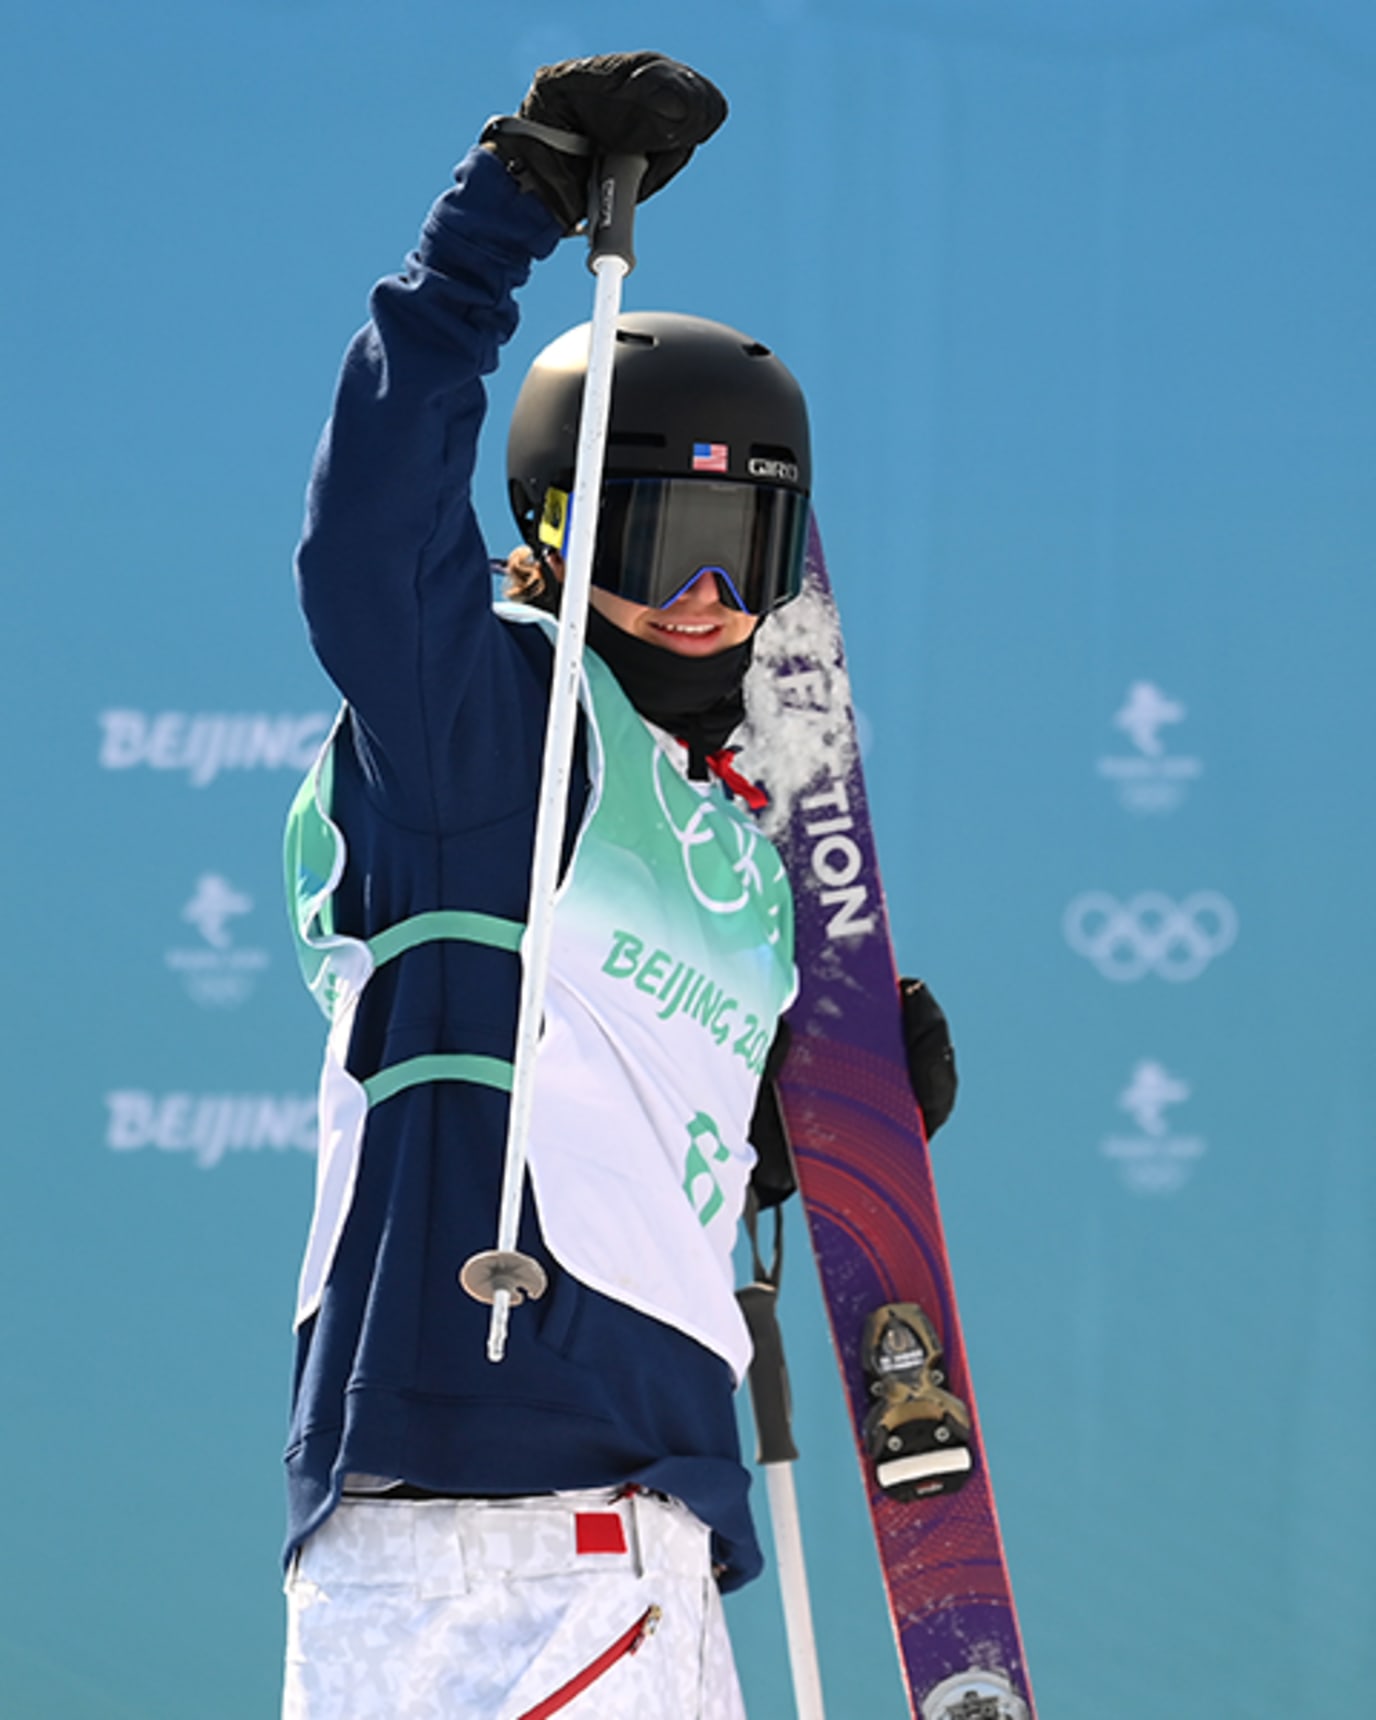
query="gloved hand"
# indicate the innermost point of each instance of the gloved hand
(611, 104)
(931, 1063)
(931, 1058)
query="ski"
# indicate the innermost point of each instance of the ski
(866, 1183)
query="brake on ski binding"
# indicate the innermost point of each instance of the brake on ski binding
(917, 1432)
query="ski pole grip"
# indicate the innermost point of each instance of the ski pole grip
(611, 213)
(769, 1394)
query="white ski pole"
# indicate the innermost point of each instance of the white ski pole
(776, 1455)
(502, 1275)
(797, 1602)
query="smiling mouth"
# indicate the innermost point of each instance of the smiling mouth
(689, 629)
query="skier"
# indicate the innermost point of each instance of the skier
(499, 1540)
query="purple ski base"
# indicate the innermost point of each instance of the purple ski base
(862, 1159)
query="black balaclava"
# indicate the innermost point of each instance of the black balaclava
(697, 699)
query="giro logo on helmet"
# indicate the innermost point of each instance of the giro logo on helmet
(782, 471)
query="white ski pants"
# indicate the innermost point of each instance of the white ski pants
(567, 1607)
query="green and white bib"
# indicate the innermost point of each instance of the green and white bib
(672, 959)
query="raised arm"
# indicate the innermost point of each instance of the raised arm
(392, 568)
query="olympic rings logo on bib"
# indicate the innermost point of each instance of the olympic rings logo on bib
(1150, 933)
(719, 858)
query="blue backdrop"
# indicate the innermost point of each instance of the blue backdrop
(1080, 291)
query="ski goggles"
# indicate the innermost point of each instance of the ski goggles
(656, 537)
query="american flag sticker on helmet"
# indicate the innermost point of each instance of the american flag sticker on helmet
(710, 456)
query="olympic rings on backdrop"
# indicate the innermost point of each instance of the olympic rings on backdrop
(1150, 933)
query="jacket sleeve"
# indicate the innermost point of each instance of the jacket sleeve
(392, 569)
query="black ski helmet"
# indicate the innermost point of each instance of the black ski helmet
(708, 461)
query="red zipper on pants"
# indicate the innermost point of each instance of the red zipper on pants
(627, 1643)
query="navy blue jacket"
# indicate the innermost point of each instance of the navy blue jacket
(437, 776)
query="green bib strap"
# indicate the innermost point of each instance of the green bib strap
(473, 928)
(438, 1066)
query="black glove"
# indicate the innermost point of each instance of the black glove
(775, 1176)
(931, 1074)
(931, 1058)
(612, 104)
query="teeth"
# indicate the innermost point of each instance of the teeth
(686, 626)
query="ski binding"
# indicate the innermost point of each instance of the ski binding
(917, 1432)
